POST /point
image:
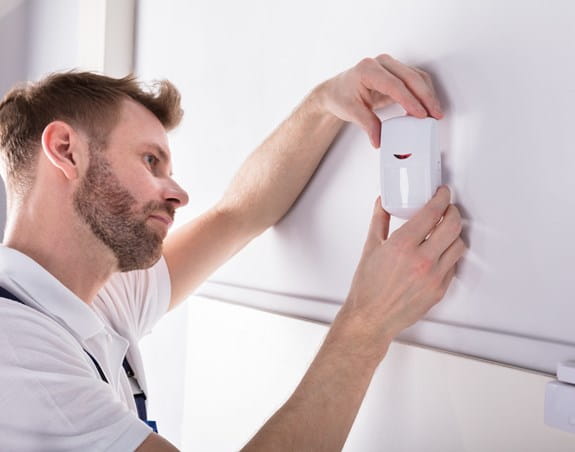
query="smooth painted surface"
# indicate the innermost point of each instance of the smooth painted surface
(53, 35)
(165, 359)
(244, 363)
(505, 78)
(228, 57)
(14, 36)
(38, 37)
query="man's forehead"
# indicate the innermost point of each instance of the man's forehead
(140, 126)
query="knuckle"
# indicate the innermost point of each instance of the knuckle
(440, 287)
(454, 211)
(461, 248)
(455, 227)
(384, 57)
(459, 228)
(443, 195)
(397, 244)
(428, 92)
(397, 83)
(456, 219)
(366, 63)
(424, 74)
(440, 293)
(437, 280)
(413, 77)
(435, 286)
(422, 266)
(438, 210)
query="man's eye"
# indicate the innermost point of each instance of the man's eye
(151, 159)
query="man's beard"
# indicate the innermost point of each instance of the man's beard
(107, 207)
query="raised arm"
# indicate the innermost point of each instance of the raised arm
(260, 194)
(397, 281)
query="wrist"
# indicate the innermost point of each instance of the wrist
(318, 104)
(359, 337)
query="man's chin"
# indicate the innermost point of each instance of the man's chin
(139, 264)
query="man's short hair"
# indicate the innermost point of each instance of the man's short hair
(85, 100)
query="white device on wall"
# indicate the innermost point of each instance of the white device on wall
(410, 164)
(560, 398)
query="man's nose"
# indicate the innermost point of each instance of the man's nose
(176, 194)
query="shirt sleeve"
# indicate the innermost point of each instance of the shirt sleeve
(49, 397)
(134, 301)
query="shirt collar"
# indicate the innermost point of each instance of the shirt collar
(39, 289)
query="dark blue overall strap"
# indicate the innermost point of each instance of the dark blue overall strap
(140, 399)
(6, 294)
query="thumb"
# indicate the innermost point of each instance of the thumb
(379, 227)
(369, 122)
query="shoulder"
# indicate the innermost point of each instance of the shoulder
(49, 394)
(133, 301)
(31, 339)
(22, 323)
(136, 284)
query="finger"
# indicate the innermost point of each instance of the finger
(421, 224)
(416, 83)
(379, 100)
(379, 226)
(368, 121)
(447, 281)
(378, 78)
(424, 74)
(451, 256)
(444, 234)
(427, 78)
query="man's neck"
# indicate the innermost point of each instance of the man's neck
(68, 251)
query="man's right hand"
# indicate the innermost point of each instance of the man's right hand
(400, 278)
(396, 282)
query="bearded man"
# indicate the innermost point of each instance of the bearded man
(87, 267)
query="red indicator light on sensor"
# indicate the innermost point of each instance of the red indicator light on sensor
(402, 156)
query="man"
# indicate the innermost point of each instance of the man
(86, 272)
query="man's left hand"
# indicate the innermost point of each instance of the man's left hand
(374, 83)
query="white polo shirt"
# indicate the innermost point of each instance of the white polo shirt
(51, 395)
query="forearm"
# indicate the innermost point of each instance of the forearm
(321, 411)
(273, 176)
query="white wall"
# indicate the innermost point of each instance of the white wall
(241, 364)
(241, 68)
(13, 51)
(244, 363)
(36, 37)
(53, 35)
(14, 39)
(42, 36)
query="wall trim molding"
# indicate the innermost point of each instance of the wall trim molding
(106, 36)
(538, 355)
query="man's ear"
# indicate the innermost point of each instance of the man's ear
(62, 146)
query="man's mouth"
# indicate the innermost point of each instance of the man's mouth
(163, 218)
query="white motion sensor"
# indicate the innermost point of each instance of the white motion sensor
(410, 164)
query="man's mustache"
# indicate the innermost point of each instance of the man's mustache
(156, 206)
